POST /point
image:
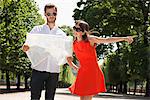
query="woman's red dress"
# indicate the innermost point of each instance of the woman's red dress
(90, 78)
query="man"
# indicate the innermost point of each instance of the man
(41, 76)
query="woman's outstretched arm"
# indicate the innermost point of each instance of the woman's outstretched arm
(96, 39)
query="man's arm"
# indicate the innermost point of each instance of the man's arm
(35, 29)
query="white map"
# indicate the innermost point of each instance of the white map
(45, 45)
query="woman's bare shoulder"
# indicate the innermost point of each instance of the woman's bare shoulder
(92, 37)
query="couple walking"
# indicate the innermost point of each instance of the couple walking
(90, 79)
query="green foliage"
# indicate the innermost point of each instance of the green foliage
(116, 68)
(17, 18)
(66, 74)
(110, 16)
(67, 29)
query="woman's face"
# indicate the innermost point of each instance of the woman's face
(77, 31)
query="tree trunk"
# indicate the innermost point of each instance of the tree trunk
(125, 87)
(120, 87)
(18, 81)
(26, 82)
(135, 85)
(111, 88)
(2, 75)
(7, 80)
(147, 94)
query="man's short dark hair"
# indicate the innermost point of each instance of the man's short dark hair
(49, 5)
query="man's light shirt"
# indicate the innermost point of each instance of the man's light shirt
(48, 48)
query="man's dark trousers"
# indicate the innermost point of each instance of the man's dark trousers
(41, 79)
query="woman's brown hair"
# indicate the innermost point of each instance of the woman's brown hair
(84, 26)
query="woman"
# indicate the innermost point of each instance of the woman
(90, 78)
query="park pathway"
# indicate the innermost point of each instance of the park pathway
(64, 94)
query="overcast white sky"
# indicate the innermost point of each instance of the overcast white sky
(65, 10)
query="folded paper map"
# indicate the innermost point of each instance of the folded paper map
(44, 45)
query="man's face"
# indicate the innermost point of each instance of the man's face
(50, 15)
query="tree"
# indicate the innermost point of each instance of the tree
(17, 18)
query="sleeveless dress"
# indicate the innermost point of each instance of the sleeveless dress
(90, 78)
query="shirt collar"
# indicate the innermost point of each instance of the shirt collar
(54, 28)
